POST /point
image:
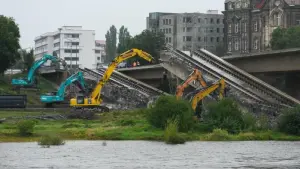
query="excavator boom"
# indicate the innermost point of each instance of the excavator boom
(220, 84)
(29, 81)
(95, 100)
(195, 75)
(60, 94)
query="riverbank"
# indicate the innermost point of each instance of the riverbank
(130, 125)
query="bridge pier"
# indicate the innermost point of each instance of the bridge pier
(288, 82)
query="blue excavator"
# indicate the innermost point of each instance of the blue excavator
(58, 97)
(31, 81)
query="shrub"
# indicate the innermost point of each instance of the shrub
(218, 135)
(51, 140)
(126, 122)
(289, 121)
(249, 121)
(25, 127)
(171, 134)
(262, 123)
(168, 107)
(224, 114)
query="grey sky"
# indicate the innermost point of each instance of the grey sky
(36, 17)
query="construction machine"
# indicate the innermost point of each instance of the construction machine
(94, 100)
(195, 75)
(30, 81)
(202, 93)
(58, 97)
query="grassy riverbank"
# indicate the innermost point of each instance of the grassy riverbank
(130, 125)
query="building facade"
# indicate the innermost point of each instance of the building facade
(71, 43)
(249, 23)
(99, 52)
(189, 31)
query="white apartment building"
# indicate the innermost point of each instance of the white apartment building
(99, 52)
(71, 43)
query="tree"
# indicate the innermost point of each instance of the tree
(28, 58)
(150, 42)
(9, 42)
(124, 40)
(111, 41)
(283, 38)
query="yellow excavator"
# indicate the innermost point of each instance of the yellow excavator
(203, 92)
(195, 75)
(198, 97)
(94, 100)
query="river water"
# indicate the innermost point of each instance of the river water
(156, 155)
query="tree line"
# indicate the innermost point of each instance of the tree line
(148, 41)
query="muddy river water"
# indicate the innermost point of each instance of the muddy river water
(156, 155)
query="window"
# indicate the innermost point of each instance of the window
(218, 30)
(255, 26)
(297, 22)
(229, 5)
(189, 29)
(218, 21)
(71, 35)
(245, 4)
(229, 28)
(245, 27)
(187, 38)
(236, 45)
(71, 58)
(72, 51)
(57, 36)
(236, 28)
(211, 30)
(164, 21)
(170, 21)
(211, 20)
(199, 39)
(211, 39)
(238, 4)
(229, 46)
(187, 19)
(170, 30)
(199, 20)
(206, 21)
(184, 29)
(98, 58)
(170, 40)
(218, 39)
(97, 51)
(256, 44)
(56, 44)
(276, 19)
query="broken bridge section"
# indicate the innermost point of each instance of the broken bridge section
(123, 92)
(251, 92)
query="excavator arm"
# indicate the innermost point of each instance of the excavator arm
(195, 75)
(95, 99)
(30, 76)
(60, 94)
(220, 84)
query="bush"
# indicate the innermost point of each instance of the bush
(250, 121)
(171, 134)
(289, 121)
(25, 127)
(218, 135)
(168, 107)
(224, 114)
(126, 122)
(51, 140)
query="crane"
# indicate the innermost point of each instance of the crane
(30, 81)
(195, 75)
(94, 100)
(59, 96)
(220, 84)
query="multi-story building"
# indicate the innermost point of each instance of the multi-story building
(71, 43)
(99, 52)
(249, 23)
(188, 31)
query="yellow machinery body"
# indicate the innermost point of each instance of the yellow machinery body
(94, 100)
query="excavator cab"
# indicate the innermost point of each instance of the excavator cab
(80, 98)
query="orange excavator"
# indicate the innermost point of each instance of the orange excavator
(195, 75)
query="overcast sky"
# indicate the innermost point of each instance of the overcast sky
(36, 17)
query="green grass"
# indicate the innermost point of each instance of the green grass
(129, 125)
